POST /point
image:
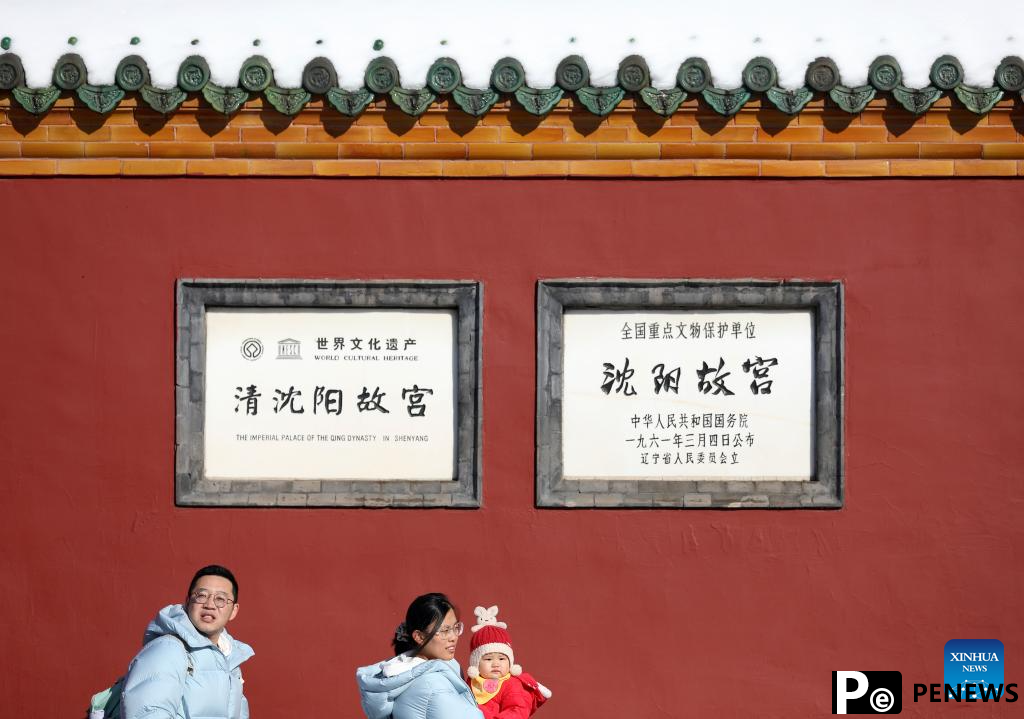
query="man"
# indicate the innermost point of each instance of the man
(189, 664)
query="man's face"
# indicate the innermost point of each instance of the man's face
(206, 616)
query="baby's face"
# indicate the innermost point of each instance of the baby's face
(493, 665)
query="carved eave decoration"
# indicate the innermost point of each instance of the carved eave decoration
(694, 84)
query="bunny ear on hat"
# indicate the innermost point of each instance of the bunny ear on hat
(487, 617)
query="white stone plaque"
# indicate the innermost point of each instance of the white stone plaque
(336, 393)
(688, 395)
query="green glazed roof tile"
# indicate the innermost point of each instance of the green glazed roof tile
(695, 82)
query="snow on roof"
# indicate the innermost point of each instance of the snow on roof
(539, 33)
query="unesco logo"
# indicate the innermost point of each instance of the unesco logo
(252, 349)
(867, 692)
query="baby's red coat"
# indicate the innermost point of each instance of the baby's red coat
(518, 698)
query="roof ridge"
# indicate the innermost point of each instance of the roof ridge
(381, 78)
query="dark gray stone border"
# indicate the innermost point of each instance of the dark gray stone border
(824, 298)
(195, 295)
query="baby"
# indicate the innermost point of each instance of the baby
(501, 688)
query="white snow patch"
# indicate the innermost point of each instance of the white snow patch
(539, 33)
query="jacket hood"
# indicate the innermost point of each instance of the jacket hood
(379, 691)
(400, 664)
(173, 620)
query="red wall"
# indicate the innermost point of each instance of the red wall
(622, 613)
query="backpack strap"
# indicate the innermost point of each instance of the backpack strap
(107, 704)
(190, 670)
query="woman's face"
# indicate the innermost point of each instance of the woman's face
(442, 646)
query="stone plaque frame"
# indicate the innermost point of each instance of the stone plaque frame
(195, 295)
(824, 299)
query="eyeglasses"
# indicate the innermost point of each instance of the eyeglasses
(219, 600)
(453, 630)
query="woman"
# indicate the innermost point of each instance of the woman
(423, 681)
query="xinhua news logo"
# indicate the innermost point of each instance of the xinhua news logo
(972, 672)
(867, 692)
(974, 664)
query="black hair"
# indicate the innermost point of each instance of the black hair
(215, 570)
(425, 614)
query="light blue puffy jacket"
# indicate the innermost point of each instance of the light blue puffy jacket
(158, 678)
(426, 690)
